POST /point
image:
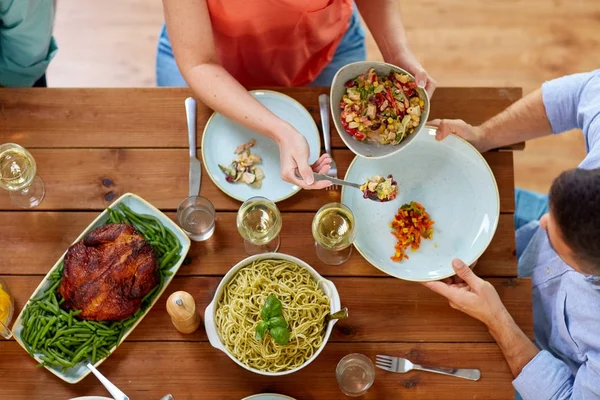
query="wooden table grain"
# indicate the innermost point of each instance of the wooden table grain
(92, 145)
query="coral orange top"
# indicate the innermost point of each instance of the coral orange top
(277, 42)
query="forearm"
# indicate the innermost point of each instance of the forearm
(518, 350)
(217, 89)
(524, 120)
(384, 21)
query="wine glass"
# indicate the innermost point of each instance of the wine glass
(259, 223)
(334, 230)
(18, 176)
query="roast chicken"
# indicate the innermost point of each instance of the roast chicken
(107, 274)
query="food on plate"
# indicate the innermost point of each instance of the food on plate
(380, 188)
(281, 292)
(381, 109)
(243, 168)
(107, 274)
(137, 252)
(410, 224)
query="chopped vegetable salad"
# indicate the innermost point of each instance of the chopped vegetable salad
(410, 224)
(381, 109)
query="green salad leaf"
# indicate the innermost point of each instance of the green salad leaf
(280, 335)
(272, 322)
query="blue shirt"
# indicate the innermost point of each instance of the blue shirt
(566, 303)
(26, 43)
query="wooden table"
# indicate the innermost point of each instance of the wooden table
(92, 145)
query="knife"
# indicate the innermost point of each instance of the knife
(195, 168)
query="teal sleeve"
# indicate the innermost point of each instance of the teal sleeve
(26, 42)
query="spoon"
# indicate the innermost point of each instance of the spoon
(342, 314)
(112, 389)
(320, 177)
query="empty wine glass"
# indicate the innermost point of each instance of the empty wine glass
(18, 176)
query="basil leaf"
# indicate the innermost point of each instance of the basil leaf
(272, 308)
(281, 335)
(261, 330)
(277, 322)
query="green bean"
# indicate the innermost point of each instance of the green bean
(167, 257)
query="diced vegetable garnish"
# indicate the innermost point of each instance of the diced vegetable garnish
(410, 224)
(242, 169)
(381, 109)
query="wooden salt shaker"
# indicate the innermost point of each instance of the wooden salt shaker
(182, 309)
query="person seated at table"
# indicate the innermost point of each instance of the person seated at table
(220, 46)
(26, 42)
(560, 251)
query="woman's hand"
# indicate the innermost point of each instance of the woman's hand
(407, 60)
(294, 153)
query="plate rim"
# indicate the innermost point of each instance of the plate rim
(254, 396)
(494, 227)
(255, 93)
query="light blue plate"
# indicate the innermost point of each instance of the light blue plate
(222, 136)
(457, 188)
(268, 396)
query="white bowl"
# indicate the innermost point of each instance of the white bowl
(456, 186)
(338, 89)
(209, 315)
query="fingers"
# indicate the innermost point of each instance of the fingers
(440, 288)
(444, 128)
(421, 78)
(306, 172)
(430, 86)
(323, 162)
(464, 272)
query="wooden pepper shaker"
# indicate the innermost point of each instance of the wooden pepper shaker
(182, 309)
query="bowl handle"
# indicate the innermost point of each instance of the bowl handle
(209, 326)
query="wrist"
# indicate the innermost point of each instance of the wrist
(482, 142)
(499, 322)
(281, 131)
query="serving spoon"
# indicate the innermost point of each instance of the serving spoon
(112, 389)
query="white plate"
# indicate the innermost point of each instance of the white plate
(456, 186)
(138, 205)
(222, 136)
(268, 396)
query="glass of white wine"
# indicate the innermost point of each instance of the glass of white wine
(334, 231)
(18, 176)
(259, 223)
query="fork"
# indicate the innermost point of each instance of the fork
(402, 365)
(324, 109)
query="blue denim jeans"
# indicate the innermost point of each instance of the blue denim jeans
(352, 48)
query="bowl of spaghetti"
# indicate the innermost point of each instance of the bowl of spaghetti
(306, 299)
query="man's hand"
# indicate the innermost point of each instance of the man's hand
(471, 134)
(294, 153)
(473, 295)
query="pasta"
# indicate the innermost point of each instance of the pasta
(305, 308)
